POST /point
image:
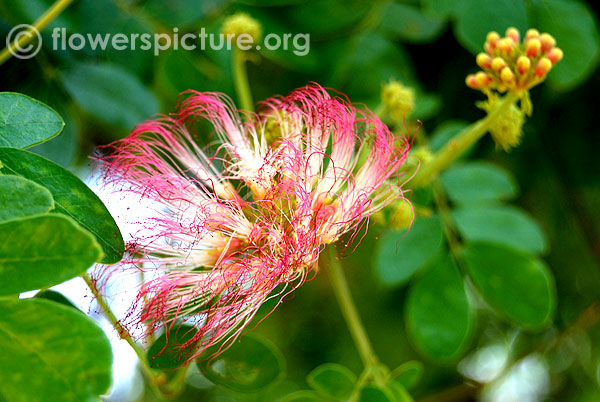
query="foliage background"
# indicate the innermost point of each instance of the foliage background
(355, 47)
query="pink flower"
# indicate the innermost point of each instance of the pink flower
(245, 219)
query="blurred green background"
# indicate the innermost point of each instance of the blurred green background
(355, 47)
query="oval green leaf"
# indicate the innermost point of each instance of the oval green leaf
(373, 393)
(373, 58)
(110, 94)
(503, 225)
(250, 364)
(168, 352)
(71, 197)
(443, 9)
(302, 396)
(51, 352)
(438, 313)
(332, 380)
(25, 122)
(478, 182)
(49, 294)
(43, 250)
(400, 254)
(575, 28)
(517, 286)
(400, 392)
(475, 18)
(408, 24)
(182, 13)
(408, 374)
(20, 197)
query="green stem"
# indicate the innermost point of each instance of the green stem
(461, 142)
(123, 333)
(50, 14)
(348, 307)
(240, 75)
(177, 383)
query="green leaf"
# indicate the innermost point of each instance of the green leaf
(71, 197)
(400, 393)
(49, 294)
(102, 17)
(20, 197)
(301, 55)
(178, 70)
(28, 11)
(333, 380)
(43, 250)
(517, 286)
(182, 13)
(302, 396)
(439, 8)
(51, 352)
(475, 18)
(25, 122)
(426, 105)
(408, 374)
(327, 18)
(575, 28)
(400, 255)
(368, 60)
(374, 393)
(438, 314)
(408, 24)
(168, 352)
(503, 225)
(477, 182)
(250, 364)
(64, 148)
(110, 94)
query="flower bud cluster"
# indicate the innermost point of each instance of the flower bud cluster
(398, 100)
(507, 129)
(242, 23)
(511, 65)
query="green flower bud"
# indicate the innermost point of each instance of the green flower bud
(242, 23)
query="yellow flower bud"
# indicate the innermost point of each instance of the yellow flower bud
(398, 100)
(402, 214)
(506, 75)
(505, 45)
(482, 79)
(523, 65)
(547, 41)
(533, 47)
(555, 55)
(484, 60)
(543, 66)
(471, 81)
(514, 34)
(498, 64)
(242, 23)
(422, 154)
(492, 38)
(532, 33)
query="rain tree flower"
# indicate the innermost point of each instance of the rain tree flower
(514, 66)
(246, 219)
